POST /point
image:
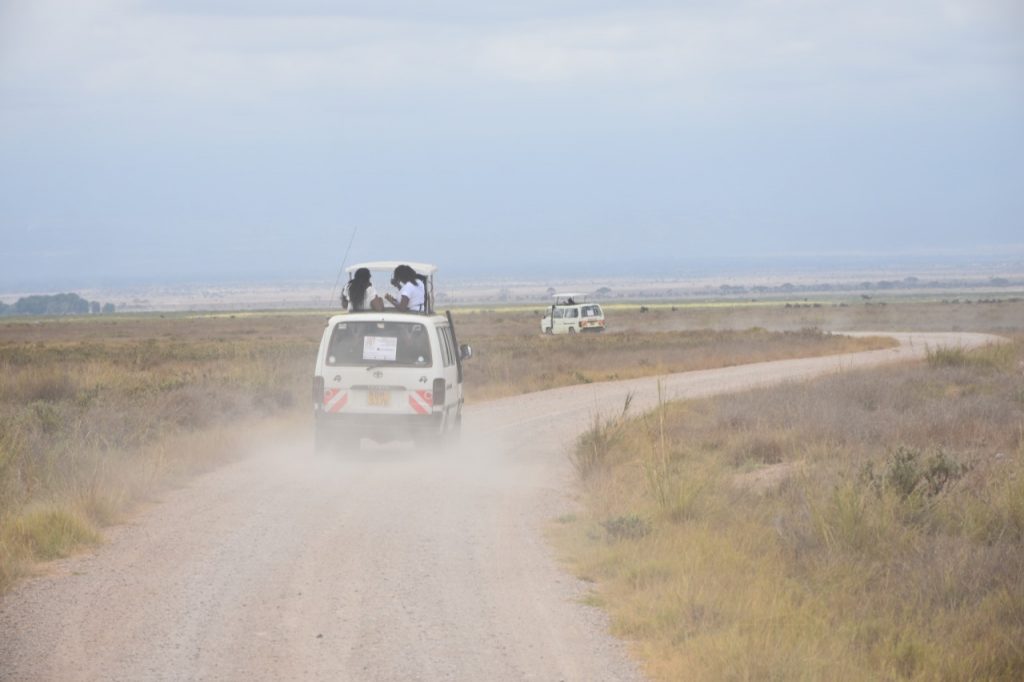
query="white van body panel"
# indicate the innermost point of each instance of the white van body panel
(570, 314)
(387, 376)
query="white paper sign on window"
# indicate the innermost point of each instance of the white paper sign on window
(380, 348)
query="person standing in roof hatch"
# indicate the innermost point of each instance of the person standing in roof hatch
(412, 291)
(359, 293)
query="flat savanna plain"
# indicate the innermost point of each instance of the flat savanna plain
(96, 414)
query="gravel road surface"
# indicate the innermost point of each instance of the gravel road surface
(392, 564)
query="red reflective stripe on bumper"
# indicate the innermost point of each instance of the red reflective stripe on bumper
(421, 401)
(334, 400)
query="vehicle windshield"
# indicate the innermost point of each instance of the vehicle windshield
(368, 343)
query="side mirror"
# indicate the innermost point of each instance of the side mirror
(466, 352)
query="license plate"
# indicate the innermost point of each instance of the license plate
(378, 398)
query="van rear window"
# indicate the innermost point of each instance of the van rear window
(591, 311)
(400, 344)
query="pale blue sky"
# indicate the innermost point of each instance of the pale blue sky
(204, 140)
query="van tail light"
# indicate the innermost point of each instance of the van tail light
(318, 391)
(439, 392)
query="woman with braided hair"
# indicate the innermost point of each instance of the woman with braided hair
(359, 293)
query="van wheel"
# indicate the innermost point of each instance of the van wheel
(330, 441)
(572, 330)
(549, 330)
(321, 439)
(454, 435)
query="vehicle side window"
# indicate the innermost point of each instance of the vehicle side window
(572, 312)
(557, 315)
(445, 337)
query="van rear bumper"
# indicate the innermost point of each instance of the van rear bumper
(379, 427)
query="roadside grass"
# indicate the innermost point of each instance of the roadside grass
(860, 527)
(90, 428)
(511, 364)
(999, 357)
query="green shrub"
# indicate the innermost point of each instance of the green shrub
(907, 472)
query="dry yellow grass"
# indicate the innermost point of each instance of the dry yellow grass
(95, 413)
(513, 364)
(88, 427)
(890, 547)
(966, 314)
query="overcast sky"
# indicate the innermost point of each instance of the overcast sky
(189, 140)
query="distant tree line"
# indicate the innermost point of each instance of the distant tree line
(881, 285)
(55, 304)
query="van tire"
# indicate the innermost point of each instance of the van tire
(321, 439)
(572, 330)
(549, 331)
(454, 435)
(330, 441)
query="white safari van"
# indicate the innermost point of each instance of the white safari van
(388, 375)
(571, 314)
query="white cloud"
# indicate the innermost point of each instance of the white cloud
(114, 63)
(110, 48)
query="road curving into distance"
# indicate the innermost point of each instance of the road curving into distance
(392, 564)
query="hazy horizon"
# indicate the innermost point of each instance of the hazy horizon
(822, 268)
(158, 141)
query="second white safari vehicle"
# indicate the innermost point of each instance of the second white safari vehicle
(389, 375)
(571, 314)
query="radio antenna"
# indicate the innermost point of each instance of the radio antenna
(344, 260)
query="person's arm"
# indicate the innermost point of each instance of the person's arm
(401, 304)
(372, 300)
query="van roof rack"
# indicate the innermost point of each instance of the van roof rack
(425, 269)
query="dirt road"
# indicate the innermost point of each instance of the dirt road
(391, 565)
